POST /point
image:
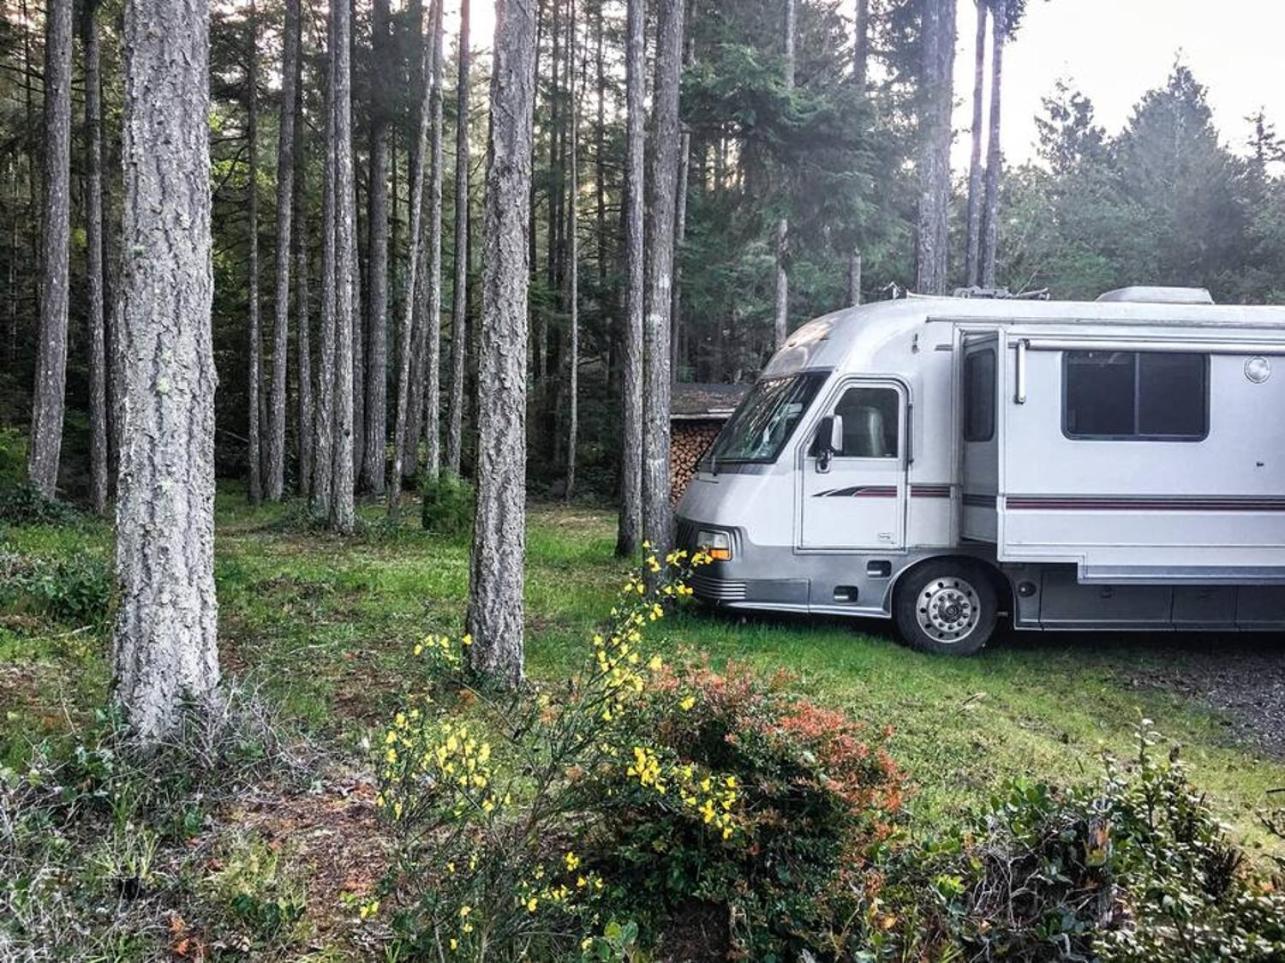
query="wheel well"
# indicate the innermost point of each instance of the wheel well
(999, 581)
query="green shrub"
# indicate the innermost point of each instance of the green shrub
(630, 792)
(13, 458)
(1135, 870)
(24, 504)
(448, 505)
(77, 589)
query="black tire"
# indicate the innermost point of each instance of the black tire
(946, 607)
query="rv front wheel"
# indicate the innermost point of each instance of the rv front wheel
(946, 607)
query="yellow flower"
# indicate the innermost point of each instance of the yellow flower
(465, 910)
(368, 910)
(466, 639)
(455, 944)
(531, 904)
(572, 861)
(687, 703)
(655, 663)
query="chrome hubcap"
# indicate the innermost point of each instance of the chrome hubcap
(948, 609)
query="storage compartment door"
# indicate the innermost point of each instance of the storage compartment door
(979, 386)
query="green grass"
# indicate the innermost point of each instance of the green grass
(325, 625)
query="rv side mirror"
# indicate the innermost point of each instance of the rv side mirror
(829, 429)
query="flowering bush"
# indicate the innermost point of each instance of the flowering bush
(529, 827)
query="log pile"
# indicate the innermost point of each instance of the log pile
(688, 441)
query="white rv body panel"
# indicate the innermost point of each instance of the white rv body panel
(1053, 514)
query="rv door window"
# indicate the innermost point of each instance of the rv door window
(871, 418)
(1135, 395)
(979, 395)
(766, 419)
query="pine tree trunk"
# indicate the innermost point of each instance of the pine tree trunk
(376, 407)
(431, 309)
(573, 267)
(629, 531)
(358, 312)
(285, 201)
(48, 396)
(255, 432)
(854, 278)
(94, 261)
(459, 310)
(323, 435)
(657, 516)
(937, 47)
(994, 155)
(861, 44)
(972, 253)
(402, 452)
(781, 325)
(495, 611)
(680, 236)
(165, 655)
(600, 150)
(303, 325)
(347, 332)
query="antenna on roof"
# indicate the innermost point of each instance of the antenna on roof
(1002, 294)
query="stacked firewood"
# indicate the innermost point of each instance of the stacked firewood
(688, 442)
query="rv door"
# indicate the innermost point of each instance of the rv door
(852, 470)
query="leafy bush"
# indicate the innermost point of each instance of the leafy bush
(529, 825)
(76, 589)
(448, 504)
(1135, 870)
(13, 458)
(24, 504)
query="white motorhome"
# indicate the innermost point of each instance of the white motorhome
(942, 461)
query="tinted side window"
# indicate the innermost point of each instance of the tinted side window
(1160, 396)
(979, 395)
(871, 419)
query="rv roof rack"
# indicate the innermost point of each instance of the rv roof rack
(1002, 294)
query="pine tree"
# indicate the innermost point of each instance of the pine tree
(255, 430)
(94, 259)
(165, 653)
(937, 50)
(495, 610)
(459, 309)
(994, 159)
(781, 325)
(976, 173)
(375, 429)
(347, 329)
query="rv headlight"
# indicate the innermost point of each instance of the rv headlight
(718, 545)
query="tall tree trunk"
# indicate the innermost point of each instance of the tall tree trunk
(861, 44)
(358, 314)
(781, 325)
(402, 452)
(680, 236)
(255, 433)
(573, 266)
(94, 261)
(303, 324)
(324, 424)
(430, 352)
(600, 150)
(376, 428)
(937, 47)
(48, 397)
(629, 529)
(285, 200)
(495, 610)
(459, 309)
(657, 516)
(854, 278)
(972, 253)
(165, 654)
(347, 332)
(994, 155)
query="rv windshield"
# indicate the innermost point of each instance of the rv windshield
(765, 419)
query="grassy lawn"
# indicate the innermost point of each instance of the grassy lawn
(324, 626)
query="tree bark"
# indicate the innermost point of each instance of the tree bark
(495, 611)
(303, 339)
(94, 261)
(854, 278)
(431, 310)
(255, 432)
(165, 654)
(680, 236)
(994, 155)
(972, 252)
(781, 325)
(48, 396)
(402, 452)
(342, 508)
(861, 44)
(573, 266)
(324, 430)
(376, 407)
(600, 149)
(285, 200)
(629, 530)
(657, 516)
(459, 309)
(937, 47)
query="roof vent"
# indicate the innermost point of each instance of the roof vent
(1159, 295)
